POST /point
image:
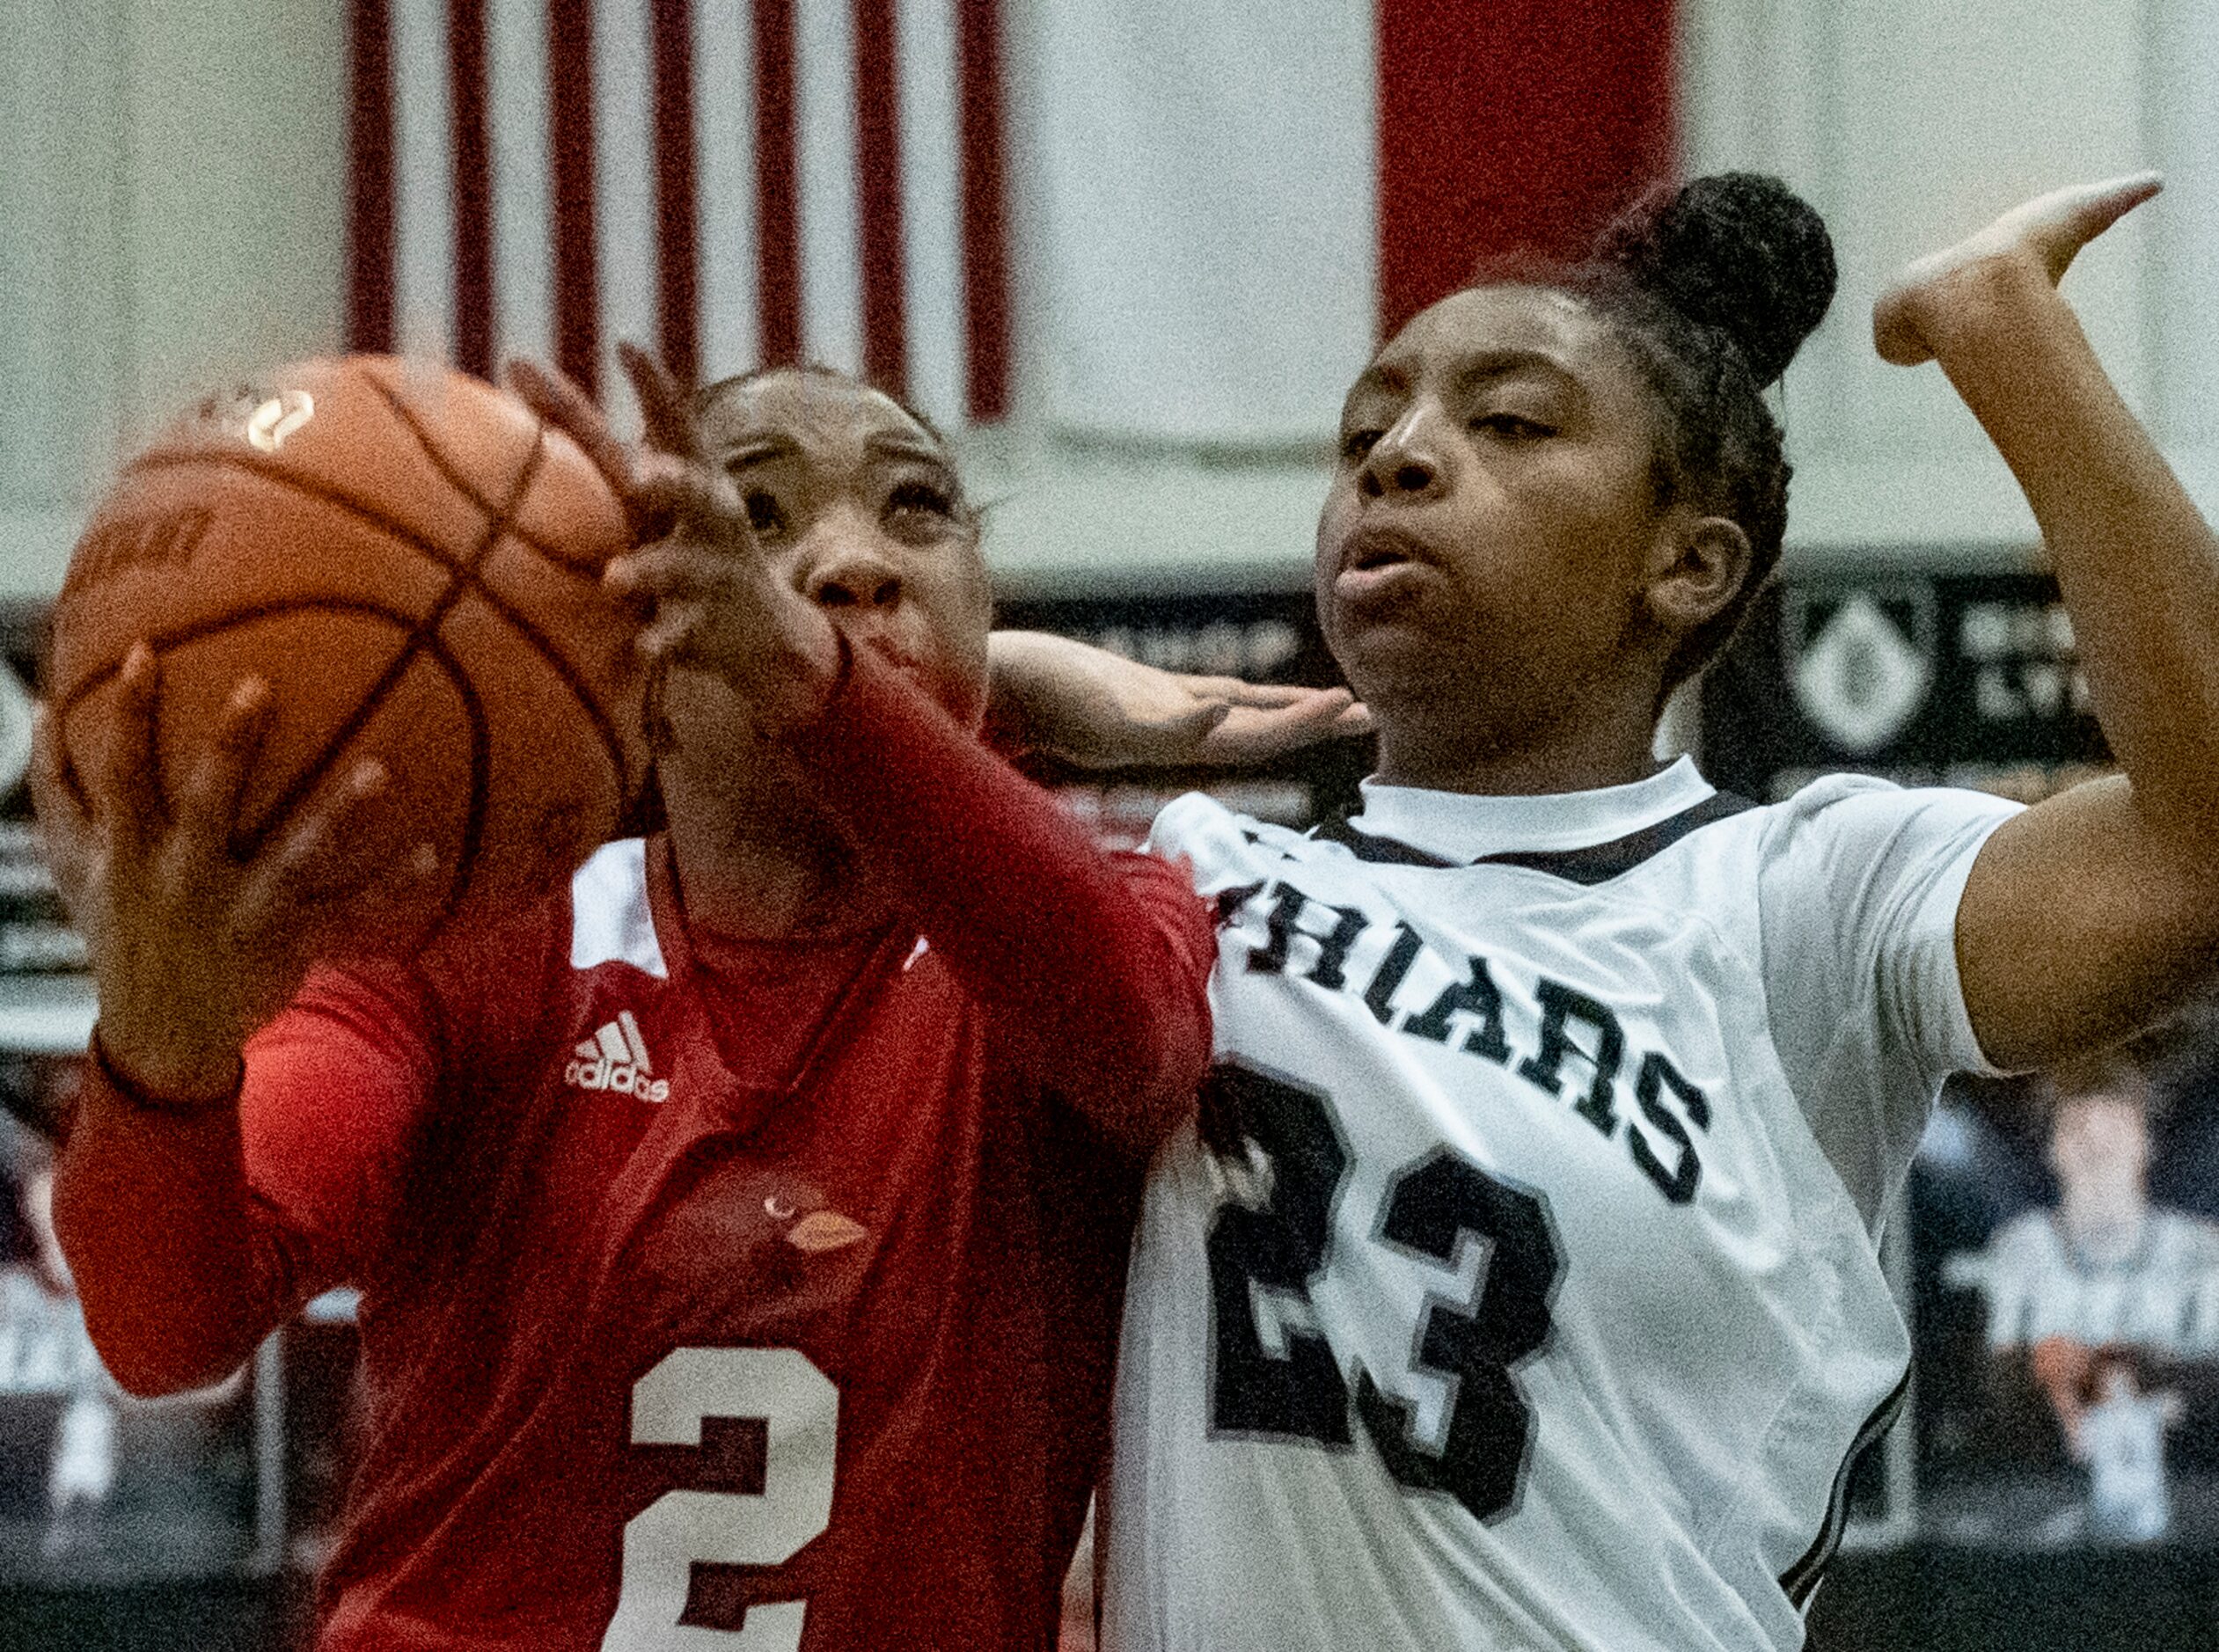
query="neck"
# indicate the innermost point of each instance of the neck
(1579, 747)
(759, 864)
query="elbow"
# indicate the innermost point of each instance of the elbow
(1153, 1071)
(148, 1364)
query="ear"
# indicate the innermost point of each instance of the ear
(1697, 568)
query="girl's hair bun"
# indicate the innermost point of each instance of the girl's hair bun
(1739, 251)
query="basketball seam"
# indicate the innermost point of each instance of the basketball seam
(462, 483)
(424, 630)
(92, 682)
(604, 724)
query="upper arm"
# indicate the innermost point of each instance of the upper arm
(1859, 886)
(2079, 924)
(1127, 1037)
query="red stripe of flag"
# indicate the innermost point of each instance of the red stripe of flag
(473, 170)
(878, 167)
(678, 250)
(986, 228)
(577, 318)
(370, 217)
(1511, 125)
(778, 218)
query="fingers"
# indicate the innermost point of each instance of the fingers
(551, 395)
(695, 499)
(131, 779)
(2065, 221)
(1251, 733)
(671, 570)
(207, 811)
(329, 852)
(665, 407)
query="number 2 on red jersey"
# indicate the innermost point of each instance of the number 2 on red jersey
(800, 1409)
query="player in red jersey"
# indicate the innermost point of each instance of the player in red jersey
(740, 1233)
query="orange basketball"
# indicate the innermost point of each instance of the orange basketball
(411, 559)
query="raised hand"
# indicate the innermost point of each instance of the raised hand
(2036, 240)
(712, 604)
(194, 945)
(665, 411)
(1098, 709)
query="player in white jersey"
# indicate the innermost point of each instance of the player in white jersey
(1515, 1286)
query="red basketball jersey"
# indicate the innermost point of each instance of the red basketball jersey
(661, 1350)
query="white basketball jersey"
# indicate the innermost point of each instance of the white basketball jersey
(1516, 1285)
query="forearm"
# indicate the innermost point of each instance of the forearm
(1019, 896)
(180, 1273)
(2137, 565)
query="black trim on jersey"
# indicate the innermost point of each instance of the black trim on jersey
(1381, 850)
(1597, 863)
(1801, 1581)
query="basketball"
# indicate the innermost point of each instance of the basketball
(411, 559)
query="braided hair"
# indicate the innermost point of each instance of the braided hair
(1712, 287)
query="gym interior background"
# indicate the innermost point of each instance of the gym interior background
(1126, 251)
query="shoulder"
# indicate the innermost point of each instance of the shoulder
(1218, 844)
(1850, 808)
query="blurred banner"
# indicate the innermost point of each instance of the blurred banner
(1235, 212)
(1224, 202)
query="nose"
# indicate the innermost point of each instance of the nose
(1404, 462)
(854, 575)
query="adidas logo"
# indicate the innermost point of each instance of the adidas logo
(616, 1058)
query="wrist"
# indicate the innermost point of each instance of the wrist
(1987, 302)
(181, 1087)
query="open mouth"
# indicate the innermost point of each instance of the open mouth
(1373, 548)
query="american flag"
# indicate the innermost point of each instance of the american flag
(733, 182)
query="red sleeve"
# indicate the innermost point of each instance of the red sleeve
(1101, 961)
(193, 1236)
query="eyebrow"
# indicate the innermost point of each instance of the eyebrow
(1482, 368)
(759, 452)
(905, 448)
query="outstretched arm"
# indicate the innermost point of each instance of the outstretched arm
(1097, 709)
(2089, 915)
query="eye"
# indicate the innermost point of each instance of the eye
(919, 497)
(1357, 445)
(763, 513)
(1517, 426)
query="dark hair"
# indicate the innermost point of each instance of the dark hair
(1713, 286)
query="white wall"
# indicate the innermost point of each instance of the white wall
(1909, 123)
(173, 207)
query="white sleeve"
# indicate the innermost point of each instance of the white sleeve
(1858, 889)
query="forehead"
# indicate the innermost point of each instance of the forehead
(828, 419)
(1484, 327)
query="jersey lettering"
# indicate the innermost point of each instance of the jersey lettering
(1574, 1030)
(1274, 1374)
(798, 1409)
(1435, 1209)
(1560, 1006)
